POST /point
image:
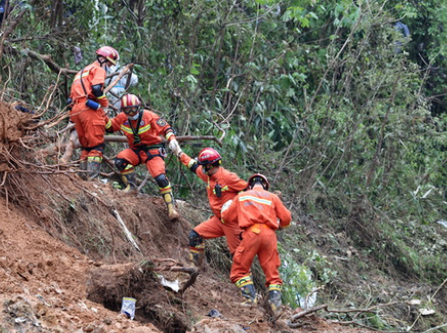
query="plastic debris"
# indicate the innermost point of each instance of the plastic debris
(173, 285)
(426, 312)
(214, 314)
(128, 307)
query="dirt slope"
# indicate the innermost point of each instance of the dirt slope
(65, 262)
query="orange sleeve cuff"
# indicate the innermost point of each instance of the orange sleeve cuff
(186, 160)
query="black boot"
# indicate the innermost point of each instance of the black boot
(130, 181)
(274, 300)
(93, 169)
(83, 168)
(249, 294)
(248, 291)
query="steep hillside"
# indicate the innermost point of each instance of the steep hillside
(66, 262)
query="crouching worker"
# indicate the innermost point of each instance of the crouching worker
(259, 213)
(144, 130)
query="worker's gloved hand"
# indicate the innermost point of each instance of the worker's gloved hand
(175, 147)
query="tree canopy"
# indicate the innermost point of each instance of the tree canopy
(333, 100)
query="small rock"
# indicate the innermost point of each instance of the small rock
(108, 321)
(89, 328)
(100, 329)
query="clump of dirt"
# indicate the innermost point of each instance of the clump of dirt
(109, 284)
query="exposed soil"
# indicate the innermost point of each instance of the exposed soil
(66, 263)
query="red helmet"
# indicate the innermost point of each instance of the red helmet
(209, 156)
(109, 53)
(257, 177)
(129, 101)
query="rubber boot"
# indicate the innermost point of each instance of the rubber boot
(83, 167)
(248, 291)
(274, 299)
(130, 180)
(169, 199)
(93, 169)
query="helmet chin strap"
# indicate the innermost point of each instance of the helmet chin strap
(135, 117)
(98, 58)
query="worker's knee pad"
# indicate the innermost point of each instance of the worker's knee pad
(162, 180)
(121, 163)
(194, 239)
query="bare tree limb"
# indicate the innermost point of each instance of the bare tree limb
(48, 60)
(11, 28)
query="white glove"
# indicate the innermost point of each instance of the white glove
(175, 148)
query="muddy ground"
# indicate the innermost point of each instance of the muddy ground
(66, 262)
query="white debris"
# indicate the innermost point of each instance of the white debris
(173, 285)
(426, 312)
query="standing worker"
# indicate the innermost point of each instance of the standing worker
(144, 130)
(222, 186)
(259, 213)
(87, 113)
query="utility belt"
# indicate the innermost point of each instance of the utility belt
(160, 148)
(257, 227)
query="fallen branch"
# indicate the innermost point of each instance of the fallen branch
(429, 300)
(193, 274)
(126, 231)
(123, 72)
(302, 314)
(169, 266)
(70, 146)
(12, 25)
(48, 60)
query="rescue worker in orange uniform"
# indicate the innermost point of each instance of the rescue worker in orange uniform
(87, 112)
(144, 131)
(221, 186)
(259, 213)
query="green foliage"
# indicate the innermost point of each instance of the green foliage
(345, 116)
(300, 287)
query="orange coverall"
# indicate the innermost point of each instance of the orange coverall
(259, 213)
(230, 185)
(147, 152)
(89, 123)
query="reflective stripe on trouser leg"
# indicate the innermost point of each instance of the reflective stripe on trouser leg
(247, 289)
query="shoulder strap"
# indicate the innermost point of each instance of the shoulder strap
(82, 82)
(137, 128)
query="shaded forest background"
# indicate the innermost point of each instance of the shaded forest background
(345, 114)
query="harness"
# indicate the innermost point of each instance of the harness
(146, 149)
(136, 137)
